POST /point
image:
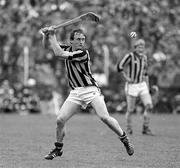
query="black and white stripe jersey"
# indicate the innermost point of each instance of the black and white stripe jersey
(78, 69)
(135, 66)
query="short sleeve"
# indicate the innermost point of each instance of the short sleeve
(125, 60)
(64, 47)
(81, 57)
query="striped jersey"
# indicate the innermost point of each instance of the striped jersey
(78, 69)
(134, 65)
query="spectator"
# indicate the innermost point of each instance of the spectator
(156, 21)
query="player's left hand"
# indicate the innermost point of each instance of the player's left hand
(48, 30)
(154, 89)
(51, 30)
(44, 31)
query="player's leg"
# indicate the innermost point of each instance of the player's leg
(148, 106)
(67, 110)
(131, 100)
(101, 110)
(131, 91)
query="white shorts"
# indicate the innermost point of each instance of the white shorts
(83, 95)
(136, 89)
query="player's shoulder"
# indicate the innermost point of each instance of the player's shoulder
(64, 46)
(81, 56)
(84, 51)
(129, 54)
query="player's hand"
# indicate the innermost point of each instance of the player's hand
(154, 89)
(129, 80)
(44, 31)
(48, 31)
(51, 30)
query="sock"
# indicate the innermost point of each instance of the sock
(58, 145)
(123, 135)
(146, 122)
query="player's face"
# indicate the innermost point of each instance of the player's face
(140, 49)
(79, 41)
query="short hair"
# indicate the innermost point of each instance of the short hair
(139, 42)
(76, 31)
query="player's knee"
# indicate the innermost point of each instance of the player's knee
(104, 118)
(130, 111)
(60, 122)
(64, 133)
(149, 107)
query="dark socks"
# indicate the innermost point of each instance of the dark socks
(58, 145)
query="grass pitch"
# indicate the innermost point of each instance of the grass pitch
(24, 140)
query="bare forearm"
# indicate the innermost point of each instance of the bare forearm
(58, 51)
(49, 40)
(45, 41)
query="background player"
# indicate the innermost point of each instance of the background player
(133, 67)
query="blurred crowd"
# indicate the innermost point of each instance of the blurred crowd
(18, 99)
(158, 22)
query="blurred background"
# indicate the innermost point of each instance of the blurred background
(33, 81)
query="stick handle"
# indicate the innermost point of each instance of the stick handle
(87, 16)
(75, 20)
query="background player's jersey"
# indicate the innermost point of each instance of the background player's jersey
(135, 66)
(78, 69)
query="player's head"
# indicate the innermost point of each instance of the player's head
(77, 39)
(139, 46)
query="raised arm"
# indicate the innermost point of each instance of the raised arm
(45, 39)
(50, 41)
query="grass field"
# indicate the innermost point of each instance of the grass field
(24, 140)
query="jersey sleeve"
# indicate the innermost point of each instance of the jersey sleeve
(125, 60)
(64, 47)
(81, 57)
